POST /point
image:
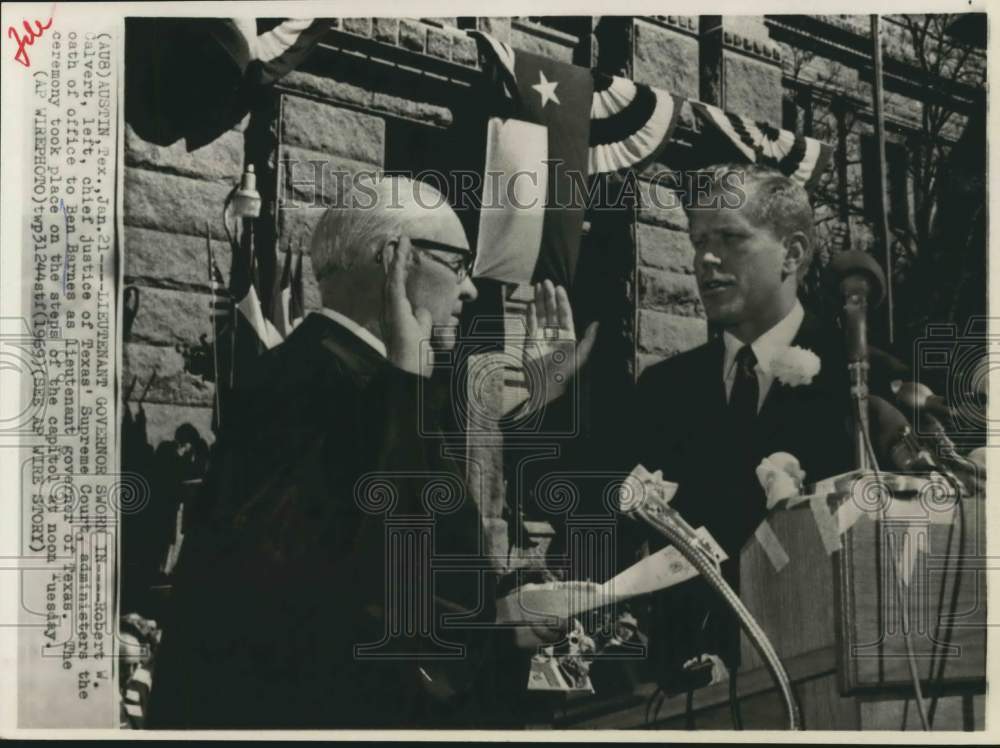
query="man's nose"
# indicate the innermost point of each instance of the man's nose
(707, 258)
(467, 290)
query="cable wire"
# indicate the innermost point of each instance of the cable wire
(911, 659)
(734, 703)
(668, 522)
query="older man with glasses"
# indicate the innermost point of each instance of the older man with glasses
(286, 612)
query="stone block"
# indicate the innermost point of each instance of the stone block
(662, 206)
(666, 59)
(222, 159)
(439, 43)
(498, 28)
(168, 317)
(464, 50)
(174, 204)
(412, 35)
(419, 110)
(164, 259)
(173, 384)
(753, 88)
(668, 334)
(327, 88)
(312, 179)
(162, 420)
(669, 292)
(665, 249)
(527, 40)
(360, 26)
(386, 30)
(333, 130)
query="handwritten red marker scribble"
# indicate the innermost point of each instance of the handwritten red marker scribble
(23, 42)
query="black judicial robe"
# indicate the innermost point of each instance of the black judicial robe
(284, 569)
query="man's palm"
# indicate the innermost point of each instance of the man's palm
(551, 355)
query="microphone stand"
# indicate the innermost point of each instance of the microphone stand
(855, 314)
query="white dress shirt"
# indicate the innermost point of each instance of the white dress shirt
(765, 348)
(357, 329)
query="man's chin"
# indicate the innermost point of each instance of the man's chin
(444, 338)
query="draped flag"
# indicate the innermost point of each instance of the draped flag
(564, 124)
(281, 298)
(258, 332)
(801, 158)
(297, 300)
(288, 305)
(555, 97)
(242, 332)
(194, 78)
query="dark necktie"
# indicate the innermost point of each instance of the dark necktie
(746, 390)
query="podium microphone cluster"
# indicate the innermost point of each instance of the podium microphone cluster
(857, 280)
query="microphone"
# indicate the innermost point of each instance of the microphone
(855, 277)
(922, 399)
(893, 438)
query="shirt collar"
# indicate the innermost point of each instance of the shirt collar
(358, 330)
(768, 345)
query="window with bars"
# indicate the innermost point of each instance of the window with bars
(897, 180)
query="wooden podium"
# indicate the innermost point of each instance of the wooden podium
(836, 620)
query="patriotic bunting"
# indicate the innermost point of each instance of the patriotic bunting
(194, 78)
(629, 123)
(803, 159)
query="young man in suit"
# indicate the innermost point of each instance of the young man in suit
(708, 416)
(287, 569)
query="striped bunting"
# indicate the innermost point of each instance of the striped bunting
(629, 123)
(803, 159)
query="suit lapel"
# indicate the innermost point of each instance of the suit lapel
(780, 397)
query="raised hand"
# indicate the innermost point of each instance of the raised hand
(551, 355)
(406, 330)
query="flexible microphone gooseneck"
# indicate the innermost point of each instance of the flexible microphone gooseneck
(669, 523)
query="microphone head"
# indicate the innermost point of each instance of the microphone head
(886, 424)
(854, 263)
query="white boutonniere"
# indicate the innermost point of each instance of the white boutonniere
(794, 366)
(781, 477)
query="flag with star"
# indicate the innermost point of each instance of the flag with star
(548, 131)
(564, 126)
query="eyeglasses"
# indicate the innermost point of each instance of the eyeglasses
(461, 268)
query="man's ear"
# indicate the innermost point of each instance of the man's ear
(797, 254)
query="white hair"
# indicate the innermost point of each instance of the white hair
(369, 209)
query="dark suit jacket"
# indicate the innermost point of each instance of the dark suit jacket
(282, 572)
(682, 429)
(676, 420)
